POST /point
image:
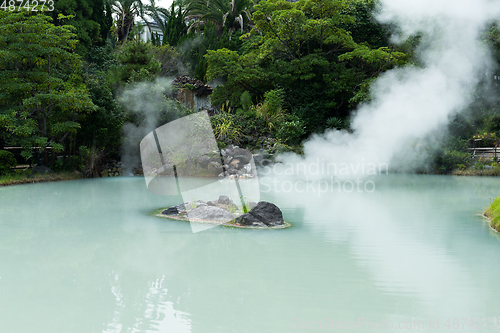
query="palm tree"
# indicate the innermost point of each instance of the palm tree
(232, 14)
(126, 11)
(159, 14)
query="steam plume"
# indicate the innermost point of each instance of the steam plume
(412, 102)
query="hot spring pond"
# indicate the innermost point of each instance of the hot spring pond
(87, 256)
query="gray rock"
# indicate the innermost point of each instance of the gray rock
(236, 163)
(224, 200)
(200, 203)
(243, 155)
(210, 213)
(211, 203)
(232, 171)
(488, 167)
(203, 161)
(214, 166)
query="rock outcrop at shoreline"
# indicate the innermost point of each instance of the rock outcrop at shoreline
(224, 211)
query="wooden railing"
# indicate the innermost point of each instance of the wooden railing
(21, 161)
(485, 152)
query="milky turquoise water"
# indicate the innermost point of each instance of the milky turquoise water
(85, 256)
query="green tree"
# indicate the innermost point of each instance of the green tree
(91, 18)
(196, 46)
(307, 49)
(126, 12)
(170, 59)
(136, 62)
(42, 95)
(157, 13)
(175, 27)
(102, 128)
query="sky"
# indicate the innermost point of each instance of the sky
(164, 3)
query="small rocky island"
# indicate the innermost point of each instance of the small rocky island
(223, 211)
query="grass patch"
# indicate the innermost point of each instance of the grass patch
(22, 178)
(493, 213)
(477, 172)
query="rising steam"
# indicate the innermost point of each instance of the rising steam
(411, 103)
(146, 103)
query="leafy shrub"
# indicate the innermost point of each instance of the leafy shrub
(90, 161)
(246, 101)
(290, 130)
(7, 161)
(136, 62)
(170, 59)
(337, 123)
(226, 127)
(493, 124)
(452, 159)
(271, 107)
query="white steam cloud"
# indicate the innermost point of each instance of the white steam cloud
(145, 101)
(413, 102)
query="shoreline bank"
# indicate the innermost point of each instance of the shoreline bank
(493, 214)
(52, 177)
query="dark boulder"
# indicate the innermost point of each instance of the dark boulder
(264, 214)
(249, 220)
(174, 210)
(267, 213)
(171, 211)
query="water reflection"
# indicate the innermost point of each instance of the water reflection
(84, 256)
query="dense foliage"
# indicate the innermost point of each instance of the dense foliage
(42, 94)
(306, 49)
(7, 161)
(74, 83)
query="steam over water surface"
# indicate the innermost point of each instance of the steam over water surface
(85, 256)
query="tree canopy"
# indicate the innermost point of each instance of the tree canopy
(42, 95)
(307, 49)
